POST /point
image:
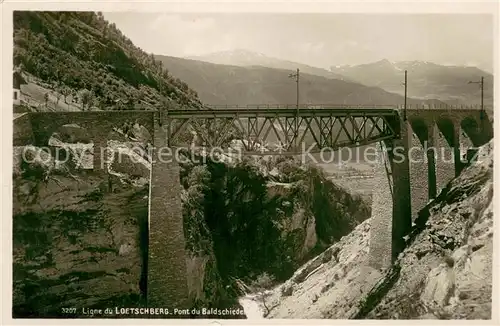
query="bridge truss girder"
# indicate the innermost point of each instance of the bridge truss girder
(315, 131)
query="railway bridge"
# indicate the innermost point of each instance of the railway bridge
(405, 182)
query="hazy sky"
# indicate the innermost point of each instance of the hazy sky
(319, 40)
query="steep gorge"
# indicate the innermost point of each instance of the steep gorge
(79, 235)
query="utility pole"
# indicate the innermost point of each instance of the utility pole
(296, 76)
(481, 85)
(406, 93)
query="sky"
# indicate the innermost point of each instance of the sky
(320, 40)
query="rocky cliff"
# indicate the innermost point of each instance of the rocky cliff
(80, 237)
(77, 241)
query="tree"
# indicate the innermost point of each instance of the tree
(263, 282)
(65, 91)
(87, 97)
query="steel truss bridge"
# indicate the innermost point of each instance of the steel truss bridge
(289, 130)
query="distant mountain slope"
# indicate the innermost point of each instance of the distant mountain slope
(222, 84)
(79, 54)
(245, 58)
(425, 80)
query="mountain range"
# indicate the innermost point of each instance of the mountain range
(245, 58)
(219, 84)
(425, 80)
(245, 77)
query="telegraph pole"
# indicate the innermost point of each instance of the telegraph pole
(482, 93)
(406, 93)
(481, 85)
(296, 76)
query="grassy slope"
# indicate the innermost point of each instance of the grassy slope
(81, 54)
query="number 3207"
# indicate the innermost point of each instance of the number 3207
(69, 310)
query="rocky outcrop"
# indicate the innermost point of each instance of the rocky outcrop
(270, 215)
(241, 219)
(329, 285)
(129, 159)
(80, 240)
(76, 245)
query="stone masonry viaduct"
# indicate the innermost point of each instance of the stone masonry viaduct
(415, 181)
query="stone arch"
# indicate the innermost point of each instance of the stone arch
(471, 128)
(45, 124)
(421, 129)
(446, 127)
(98, 123)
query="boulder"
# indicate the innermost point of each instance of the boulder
(140, 133)
(439, 287)
(130, 163)
(72, 133)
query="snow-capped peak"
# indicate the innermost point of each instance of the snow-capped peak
(241, 53)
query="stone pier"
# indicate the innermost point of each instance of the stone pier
(418, 169)
(436, 144)
(381, 215)
(401, 209)
(391, 202)
(443, 135)
(167, 271)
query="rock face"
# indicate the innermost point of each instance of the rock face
(80, 238)
(445, 272)
(329, 285)
(268, 216)
(76, 245)
(129, 162)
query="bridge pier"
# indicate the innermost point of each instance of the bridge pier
(431, 153)
(445, 158)
(167, 270)
(381, 215)
(401, 211)
(391, 202)
(418, 170)
(467, 142)
(457, 153)
(428, 155)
